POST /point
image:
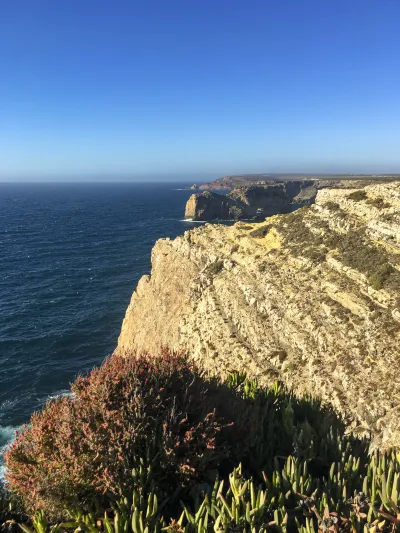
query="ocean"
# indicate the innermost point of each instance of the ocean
(70, 258)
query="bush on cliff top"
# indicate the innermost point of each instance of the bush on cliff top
(149, 448)
(357, 196)
(159, 408)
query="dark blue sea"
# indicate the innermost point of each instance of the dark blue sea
(70, 258)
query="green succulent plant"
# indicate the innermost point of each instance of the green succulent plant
(304, 473)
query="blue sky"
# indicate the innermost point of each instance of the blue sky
(201, 88)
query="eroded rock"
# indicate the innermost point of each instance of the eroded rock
(311, 298)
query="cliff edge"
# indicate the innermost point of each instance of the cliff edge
(311, 298)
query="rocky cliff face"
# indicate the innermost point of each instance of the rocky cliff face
(212, 206)
(248, 202)
(311, 298)
(270, 198)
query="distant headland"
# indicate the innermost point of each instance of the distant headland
(253, 196)
(229, 182)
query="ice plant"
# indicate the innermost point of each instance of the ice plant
(157, 407)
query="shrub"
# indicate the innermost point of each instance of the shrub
(235, 212)
(10, 507)
(153, 432)
(332, 206)
(260, 232)
(378, 278)
(379, 203)
(353, 497)
(215, 267)
(357, 196)
(373, 261)
(316, 478)
(157, 408)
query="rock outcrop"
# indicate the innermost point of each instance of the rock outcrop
(212, 206)
(311, 298)
(248, 202)
(267, 199)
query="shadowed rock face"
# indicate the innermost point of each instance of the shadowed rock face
(311, 298)
(248, 202)
(271, 198)
(212, 206)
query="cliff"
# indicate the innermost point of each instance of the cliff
(248, 180)
(248, 202)
(212, 206)
(311, 298)
(229, 182)
(269, 198)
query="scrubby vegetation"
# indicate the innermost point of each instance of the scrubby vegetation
(354, 248)
(261, 231)
(130, 408)
(357, 196)
(301, 240)
(379, 203)
(148, 444)
(368, 259)
(235, 212)
(215, 267)
(378, 278)
(332, 206)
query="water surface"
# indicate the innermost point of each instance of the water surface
(70, 258)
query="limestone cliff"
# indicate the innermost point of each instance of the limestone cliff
(212, 206)
(311, 298)
(269, 198)
(248, 180)
(248, 202)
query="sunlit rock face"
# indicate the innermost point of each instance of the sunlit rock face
(311, 298)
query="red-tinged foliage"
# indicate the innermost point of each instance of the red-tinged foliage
(155, 407)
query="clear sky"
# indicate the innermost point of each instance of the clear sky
(198, 88)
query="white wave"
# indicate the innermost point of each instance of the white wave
(61, 393)
(215, 220)
(7, 436)
(8, 404)
(7, 433)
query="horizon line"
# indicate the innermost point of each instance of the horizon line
(108, 178)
